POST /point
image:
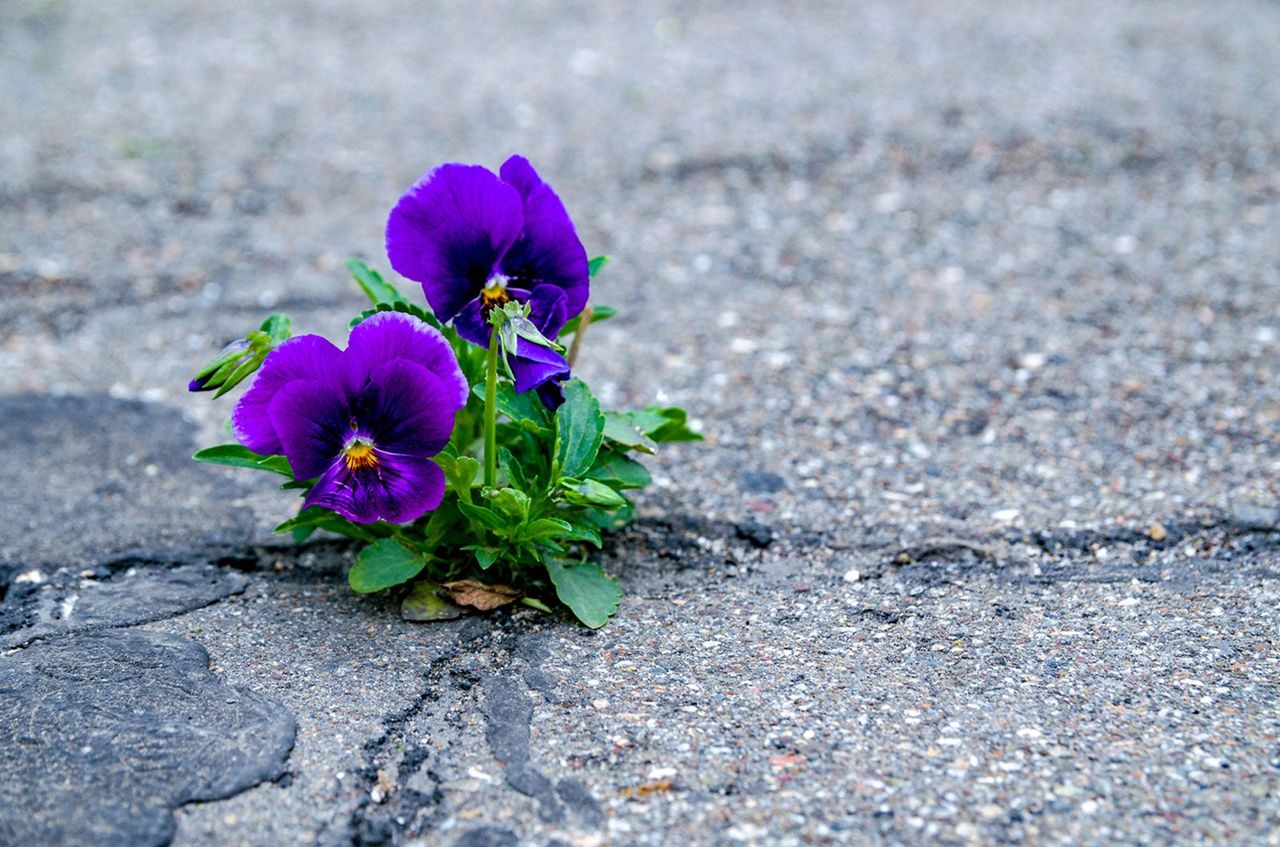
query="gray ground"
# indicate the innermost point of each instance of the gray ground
(966, 299)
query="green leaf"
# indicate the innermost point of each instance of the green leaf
(316, 517)
(612, 519)
(618, 471)
(233, 455)
(526, 329)
(485, 557)
(579, 430)
(620, 429)
(511, 469)
(441, 523)
(509, 501)
(383, 564)
(592, 596)
(302, 533)
(524, 409)
(594, 266)
(664, 425)
(582, 532)
(460, 472)
(535, 603)
(598, 313)
(589, 492)
(424, 603)
(278, 328)
(374, 286)
(544, 528)
(484, 515)
(508, 338)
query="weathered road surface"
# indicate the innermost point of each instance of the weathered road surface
(979, 309)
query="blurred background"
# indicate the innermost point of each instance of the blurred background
(923, 264)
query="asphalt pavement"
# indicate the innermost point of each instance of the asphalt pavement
(977, 307)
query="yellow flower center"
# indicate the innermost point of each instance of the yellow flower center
(360, 456)
(492, 296)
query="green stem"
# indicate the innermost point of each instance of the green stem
(491, 413)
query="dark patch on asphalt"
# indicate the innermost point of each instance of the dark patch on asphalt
(542, 682)
(577, 796)
(1242, 520)
(135, 597)
(758, 534)
(531, 782)
(1188, 554)
(487, 836)
(938, 547)
(508, 711)
(102, 476)
(103, 735)
(761, 482)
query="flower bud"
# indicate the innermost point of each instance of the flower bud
(239, 359)
(214, 374)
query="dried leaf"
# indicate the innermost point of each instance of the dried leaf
(474, 593)
(636, 792)
(384, 788)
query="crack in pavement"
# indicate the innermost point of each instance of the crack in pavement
(136, 597)
(388, 804)
(402, 795)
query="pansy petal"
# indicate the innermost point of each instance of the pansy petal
(534, 365)
(313, 420)
(471, 324)
(398, 490)
(304, 357)
(387, 336)
(406, 409)
(548, 249)
(551, 392)
(548, 310)
(449, 231)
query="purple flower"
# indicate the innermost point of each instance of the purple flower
(476, 240)
(365, 421)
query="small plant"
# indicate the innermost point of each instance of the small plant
(453, 439)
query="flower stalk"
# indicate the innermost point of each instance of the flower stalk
(583, 323)
(491, 408)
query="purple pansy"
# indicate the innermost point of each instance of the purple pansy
(365, 421)
(476, 240)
